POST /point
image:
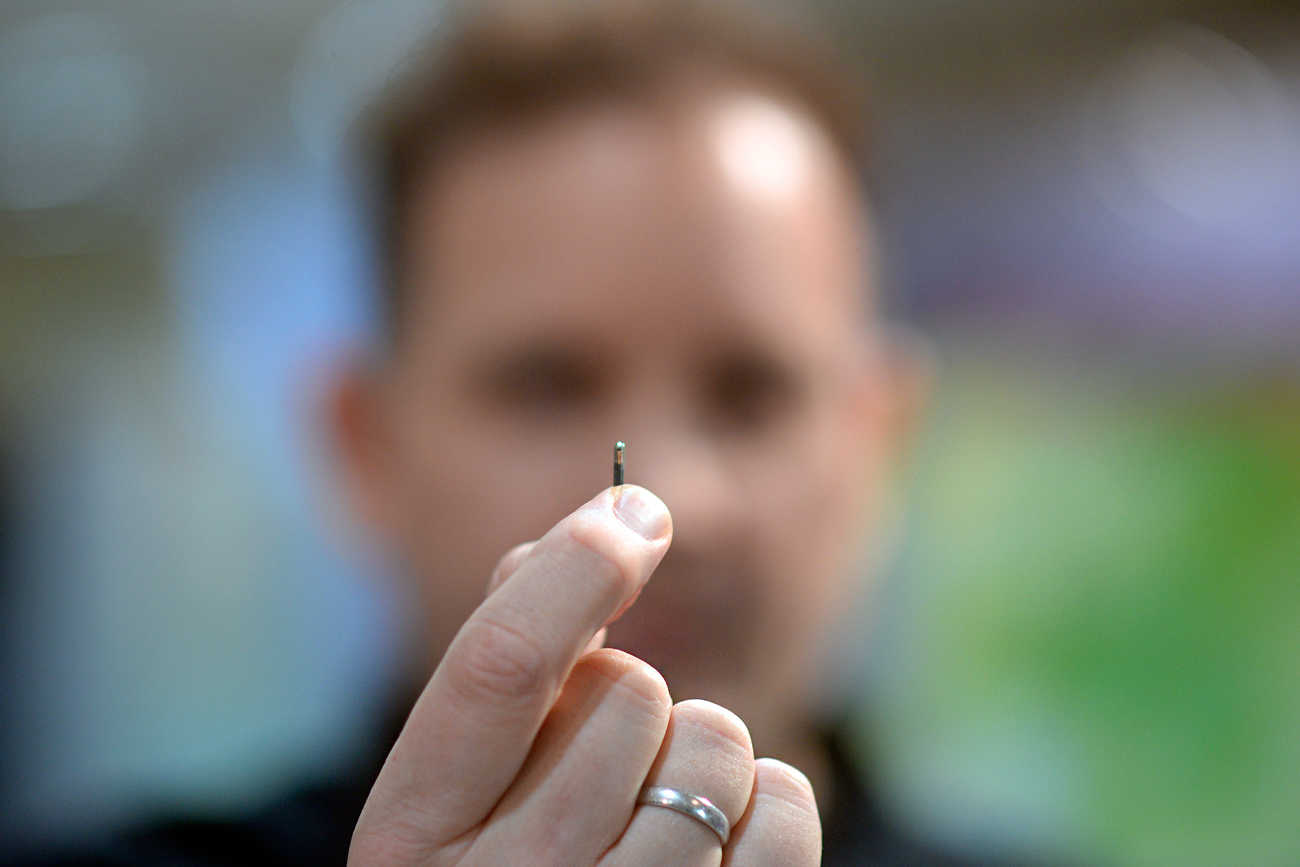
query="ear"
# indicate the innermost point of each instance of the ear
(355, 420)
(909, 367)
(894, 390)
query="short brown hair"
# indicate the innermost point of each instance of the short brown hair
(497, 61)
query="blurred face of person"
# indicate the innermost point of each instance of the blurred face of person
(689, 276)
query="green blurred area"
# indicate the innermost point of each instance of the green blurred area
(1094, 645)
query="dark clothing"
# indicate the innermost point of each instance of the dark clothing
(856, 833)
(314, 828)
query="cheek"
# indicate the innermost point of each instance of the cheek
(469, 491)
(813, 519)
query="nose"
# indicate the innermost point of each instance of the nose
(693, 474)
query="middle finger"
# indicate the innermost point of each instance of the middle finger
(578, 787)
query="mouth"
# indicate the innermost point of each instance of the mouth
(654, 630)
(689, 640)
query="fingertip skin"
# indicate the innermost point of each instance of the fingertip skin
(632, 673)
(725, 730)
(782, 827)
(631, 557)
(642, 512)
(787, 782)
(507, 565)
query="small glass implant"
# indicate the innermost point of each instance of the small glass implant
(618, 463)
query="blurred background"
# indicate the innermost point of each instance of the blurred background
(1089, 648)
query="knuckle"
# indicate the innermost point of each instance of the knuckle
(715, 724)
(640, 679)
(389, 845)
(500, 663)
(784, 821)
(787, 784)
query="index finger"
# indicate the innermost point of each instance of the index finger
(473, 726)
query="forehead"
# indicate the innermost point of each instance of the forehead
(717, 209)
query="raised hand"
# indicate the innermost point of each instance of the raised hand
(530, 746)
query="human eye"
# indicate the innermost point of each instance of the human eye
(544, 381)
(746, 391)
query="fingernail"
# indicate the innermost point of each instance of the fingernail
(643, 512)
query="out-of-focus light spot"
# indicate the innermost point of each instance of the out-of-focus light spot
(345, 62)
(70, 111)
(1192, 127)
(764, 148)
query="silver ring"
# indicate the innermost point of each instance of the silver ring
(691, 805)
